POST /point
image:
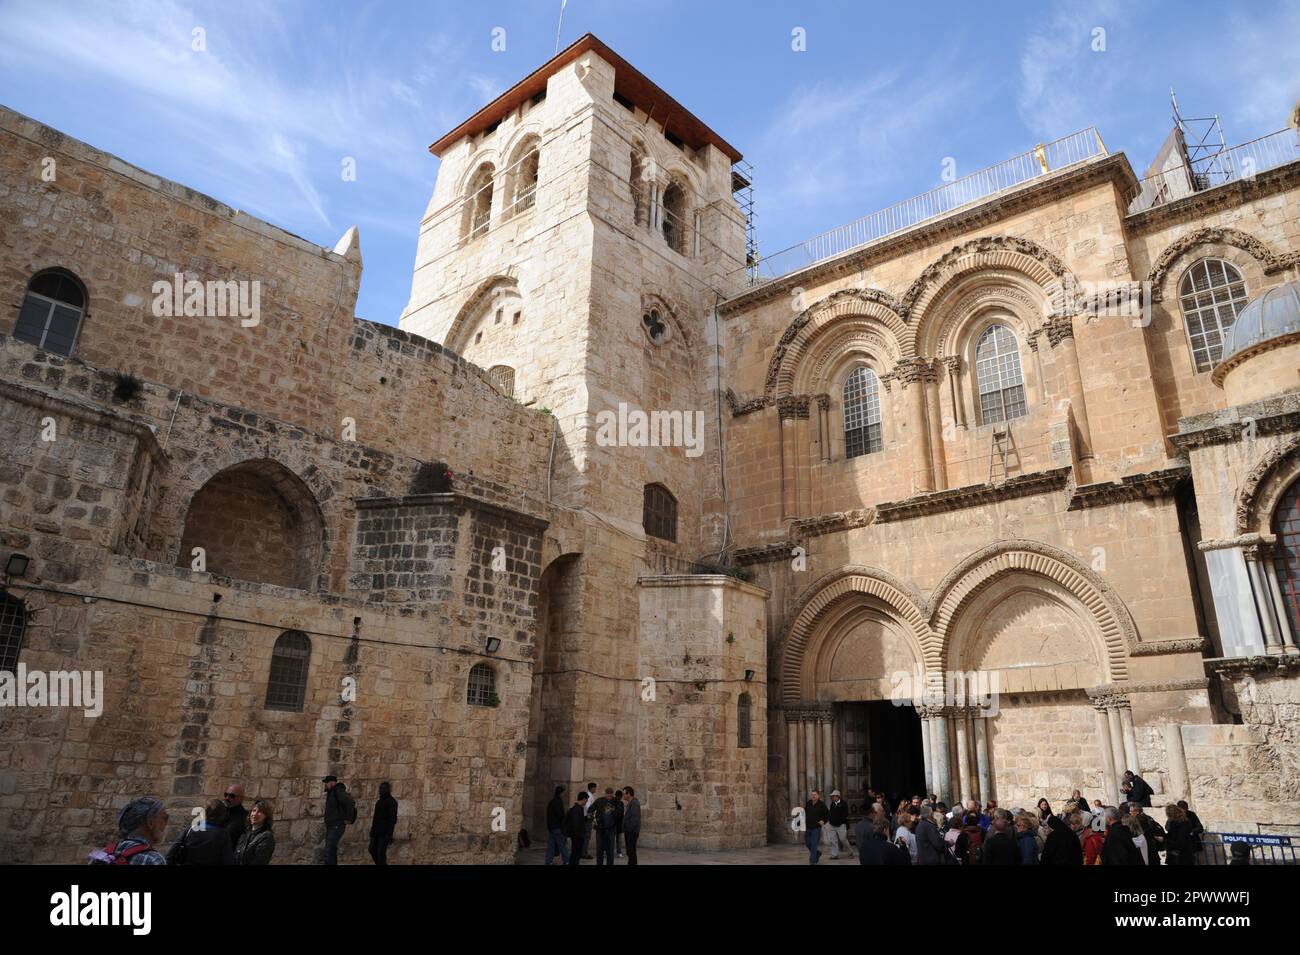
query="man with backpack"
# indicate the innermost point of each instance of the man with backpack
(141, 824)
(340, 811)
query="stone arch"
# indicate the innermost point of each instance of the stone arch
(962, 584)
(1264, 485)
(1006, 256)
(522, 171)
(1163, 272)
(963, 302)
(855, 584)
(497, 285)
(849, 312)
(256, 520)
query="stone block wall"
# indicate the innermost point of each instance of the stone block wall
(698, 637)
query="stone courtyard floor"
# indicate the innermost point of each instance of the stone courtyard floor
(766, 855)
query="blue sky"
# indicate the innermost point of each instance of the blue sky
(285, 91)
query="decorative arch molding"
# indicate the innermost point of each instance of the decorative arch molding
(1264, 485)
(1005, 291)
(872, 307)
(1162, 270)
(846, 343)
(993, 252)
(487, 289)
(980, 569)
(833, 589)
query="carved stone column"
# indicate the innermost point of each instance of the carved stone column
(824, 426)
(792, 726)
(1110, 778)
(790, 411)
(952, 364)
(982, 756)
(962, 718)
(942, 767)
(910, 373)
(1060, 334)
(1258, 558)
(934, 416)
(927, 750)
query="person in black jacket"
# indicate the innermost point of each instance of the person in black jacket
(837, 825)
(1151, 830)
(604, 817)
(1062, 846)
(1136, 789)
(207, 845)
(618, 823)
(1195, 827)
(383, 824)
(575, 827)
(631, 822)
(236, 814)
(257, 844)
(555, 828)
(874, 847)
(1180, 845)
(1118, 849)
(1000, 847)
(814, 817)
(340, 810)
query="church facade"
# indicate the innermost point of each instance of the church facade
(997, 503)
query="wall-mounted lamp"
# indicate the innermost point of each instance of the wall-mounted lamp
(493, 644)
(17, 565)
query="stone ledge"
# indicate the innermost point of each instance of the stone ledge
(702, 580)
(89, 413)
(973, 495)
(454, 499)
(1131, 487)
(1225, 426)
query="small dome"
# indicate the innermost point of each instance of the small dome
(1269, 315)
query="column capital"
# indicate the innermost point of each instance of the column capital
(1109, 700)
(916, 369)
(810, 711)
(792, 406)
(823, 401)
(1058, 328)
(951, 362)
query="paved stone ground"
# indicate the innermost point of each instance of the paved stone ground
(767, 855)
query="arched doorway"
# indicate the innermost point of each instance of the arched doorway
(551, 711)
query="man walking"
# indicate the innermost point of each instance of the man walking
(814, 818)
(555, 828)
(340, 810)
(837, 825)
(631, 823)
(383, 824)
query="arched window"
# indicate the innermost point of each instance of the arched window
(656, 327)
(659, 515)
(997, 372)
(744, 722)
(286, 687)
(478, 203)
(1211, 294)
(674, 217)
(52, 311)
(503, 378)
(523, 177)
(1286, 553)
(13, 624)
(862, 413)
(482, 687)
(637, 180)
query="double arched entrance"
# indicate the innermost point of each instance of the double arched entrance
(1005, 682)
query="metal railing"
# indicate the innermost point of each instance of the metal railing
(1046, 158)
(1239, 162)
(1217, 848)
